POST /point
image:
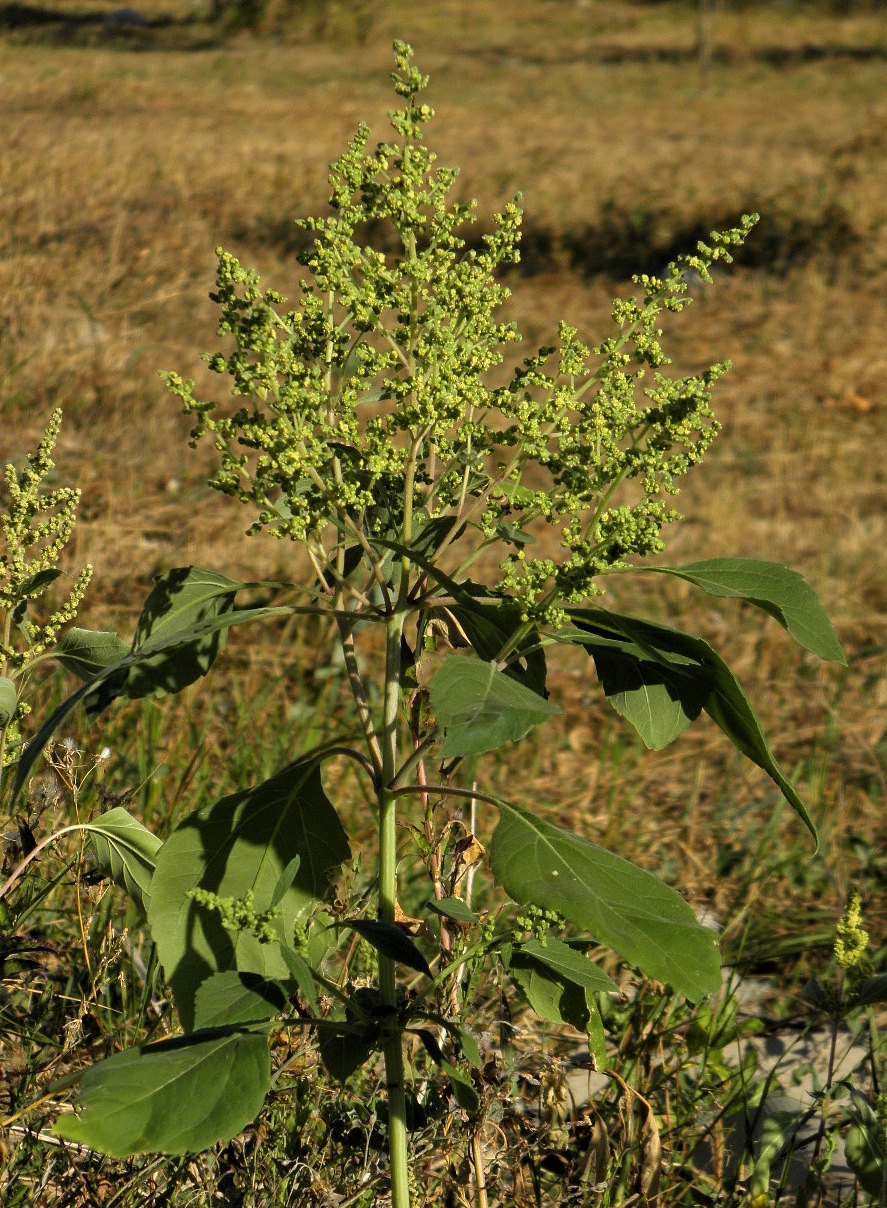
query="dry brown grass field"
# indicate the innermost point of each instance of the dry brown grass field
(124, 162)
(121, 168)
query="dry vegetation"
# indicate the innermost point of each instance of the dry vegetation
(120, 171)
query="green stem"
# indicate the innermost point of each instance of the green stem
(393, 1048)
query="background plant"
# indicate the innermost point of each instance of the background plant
(374, 527)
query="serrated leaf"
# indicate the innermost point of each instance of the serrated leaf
(8, 700)
(126, 851)
(632, 911)
(779, 591)
(388, 939)
(241, 843)
(179, 1096)
(480, 708)
(232, 998)
(689, 660)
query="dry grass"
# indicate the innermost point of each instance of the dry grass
(120, 171)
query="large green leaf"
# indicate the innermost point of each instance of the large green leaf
(567, 963)
(243, 843)
(179, 599)
(557, 999)
(87, 652)
(689, 671)
(489, 626)
(179, 1096)
(779, 591)
(659, 700)
(388, 939)
(126, 852)
(113, 680)
(480, 708)
(236, 998)
(636, 914)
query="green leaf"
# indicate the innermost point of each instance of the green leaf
(37, 583)
(872, 990)
(86, 652)
(388, 939)
(8, 700)
(242, 843)
(553, 998)
(481, 708)
(125, 851)
(659, 701)
(302, 975)
(179, 1096)
(232, 998)
(636, 914)
(568, 963)
(779, 591)
(345, 1043)
(865, 1151)
(691, 665)
(489, 626)
(285, 880)
(179, 599)
(464, 1091)
(453, 908)
(469, 1048)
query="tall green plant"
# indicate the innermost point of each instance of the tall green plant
(460, 521)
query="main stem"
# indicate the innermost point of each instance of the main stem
(393, 1049)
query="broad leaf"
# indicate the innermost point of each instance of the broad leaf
(568, 963)
(455, 909)
(113, 680)
(659, 701)
(8, 699)
(865, 1147)
(480, 708)
(687, 667)
(349, 1038)
(388, 939)
(179, 1096)
(86, 652)
(489, 626)
(643, 919)
(557, 999)
(232, 998)
(779, 591)
(125, 851)
(242, 843)
(179, 599)
(872, 989)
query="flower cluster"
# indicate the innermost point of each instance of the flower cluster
(371, 413)
(36, 526)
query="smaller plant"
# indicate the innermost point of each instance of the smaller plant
(782, 1128)
(373, 426)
